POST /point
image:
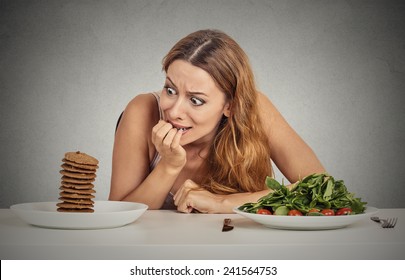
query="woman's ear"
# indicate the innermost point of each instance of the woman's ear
(227, 110)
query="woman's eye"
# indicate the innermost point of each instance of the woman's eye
(197, 101)
(170, 91)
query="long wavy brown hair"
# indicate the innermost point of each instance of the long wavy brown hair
(239, 159)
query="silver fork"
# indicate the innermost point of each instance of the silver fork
(390, 223)
(386, 223)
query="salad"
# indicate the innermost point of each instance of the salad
(315, 195)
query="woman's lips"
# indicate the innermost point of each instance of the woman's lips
(180, 127)
(183, 129)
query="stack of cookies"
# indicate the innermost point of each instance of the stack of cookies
(78, 175)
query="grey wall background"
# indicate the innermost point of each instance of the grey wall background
(335, 69)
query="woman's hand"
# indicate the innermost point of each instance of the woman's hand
(166, 139)
(192, 196)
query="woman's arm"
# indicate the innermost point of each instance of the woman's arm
(192, 196)
(131, 179)
(293, 157)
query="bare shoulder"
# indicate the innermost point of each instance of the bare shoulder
(142, 110)
(142, 103)
(132, 142)
(268, 112)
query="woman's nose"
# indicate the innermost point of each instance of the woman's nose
(177, 110)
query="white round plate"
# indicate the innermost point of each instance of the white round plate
(107, 214)
(307, 222)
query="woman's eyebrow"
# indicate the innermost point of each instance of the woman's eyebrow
(170, 80)
(188, 92)
(197, 93)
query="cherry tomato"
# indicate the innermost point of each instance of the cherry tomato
(263, 211)
(328, 212)
(313, 210)
(294, 212)
(344, 211)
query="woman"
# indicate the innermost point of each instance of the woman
(206, 141)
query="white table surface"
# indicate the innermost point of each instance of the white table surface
(163, 234)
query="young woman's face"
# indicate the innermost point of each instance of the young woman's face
(191, 101)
